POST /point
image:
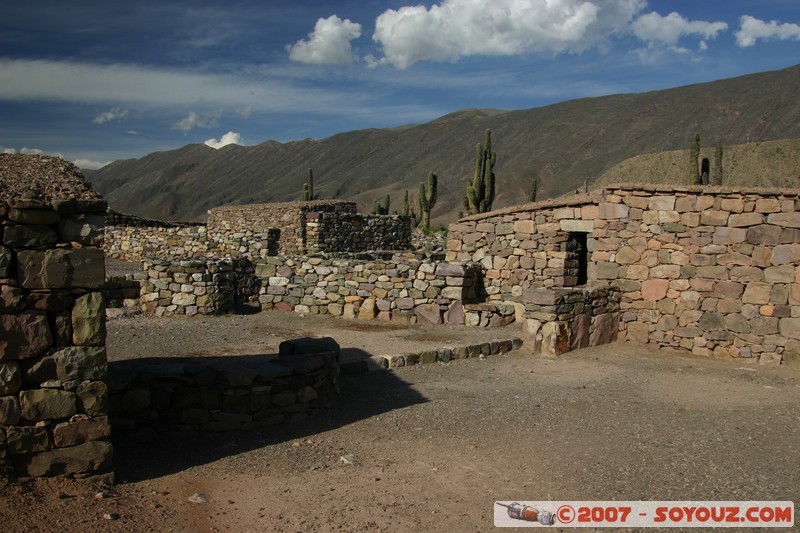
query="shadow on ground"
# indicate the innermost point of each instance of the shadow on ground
(148, 454)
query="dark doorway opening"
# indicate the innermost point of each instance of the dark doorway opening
(578, 258)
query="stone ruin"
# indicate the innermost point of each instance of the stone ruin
(713, 270)
(53, 395)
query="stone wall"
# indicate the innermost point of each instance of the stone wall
(716, 273)
(523, 247)
(135, 243)
(225, 393)
(559, 320)
(232, 223)
(403, 289)
(257, 231)
(195, 287)
(714, 270)
(357, 233)
(53, 398)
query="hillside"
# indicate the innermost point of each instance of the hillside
(762, 164)
(562, 144)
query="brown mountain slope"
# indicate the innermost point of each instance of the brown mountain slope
(761, 164)
(562, 144)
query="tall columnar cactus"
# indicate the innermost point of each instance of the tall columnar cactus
(308, 188)
(694, 164)
(410, 211)
(427, 199)
(534, 189)
(717, 175)
(378, 209)
(480, 191)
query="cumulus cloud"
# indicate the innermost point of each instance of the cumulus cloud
(458, 28)
(654, 28)
(229, 138)
(753, 29)
(193, 120)
(115, 113)
(90, 164)
(329, 43)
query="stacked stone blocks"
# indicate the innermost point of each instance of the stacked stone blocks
(401, 289)
(53, 397)
(559, 320)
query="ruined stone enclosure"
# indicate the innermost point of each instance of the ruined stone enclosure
(713, 270)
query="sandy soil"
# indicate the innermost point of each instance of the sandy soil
(434, 446)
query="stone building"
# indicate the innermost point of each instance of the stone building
(714, 270)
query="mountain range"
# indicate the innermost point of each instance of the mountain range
(563, 146)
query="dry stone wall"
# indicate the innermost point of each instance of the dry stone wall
(714, 270)
(402, 289)
(559, 320)
(195, 287)
(229, 224)
(357, 233)
(53, 397)
(225, 393)
(257, 231)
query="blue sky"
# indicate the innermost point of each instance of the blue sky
(99, 81)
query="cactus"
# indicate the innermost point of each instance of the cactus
(480, 191)
(378, 209)
(694, 154)
(717, 176)
(308, 188)
(410, 211)
(427, 199)
(534, 189)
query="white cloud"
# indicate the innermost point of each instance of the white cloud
(229, 138)
(654, 28)
(194, 120)
(89, 164)
(267, 90)
(32, 151)
(753, 29)
(114, 113)
(459, 28)
(329, 43)
(132, 132)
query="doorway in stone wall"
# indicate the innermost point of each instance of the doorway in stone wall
(577, 261)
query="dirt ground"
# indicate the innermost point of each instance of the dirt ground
(432, 447)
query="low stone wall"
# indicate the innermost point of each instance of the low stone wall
(258, 231)
(407, 290)
(53, 398)
(439, 355)
(195, 287)
(225, 393)
(135, 243)
(559, 320)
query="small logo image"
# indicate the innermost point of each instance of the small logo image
(527, 513)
